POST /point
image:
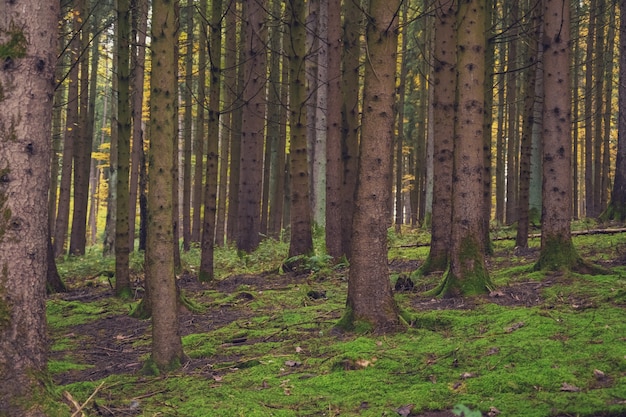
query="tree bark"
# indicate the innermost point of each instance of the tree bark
(167, 350)
(350, 112)
(443, 109)
(557, 249)
(616, 209)
(122, 248)
(253, 126)
(210, 191)
(334, 171)
(370, 302)
(467, 273)
(28, 35)
(301, 242)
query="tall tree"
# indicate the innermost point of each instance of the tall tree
(122, 242)
(443, 107)
(82, 146)
(557, 248)
(253, 126)
(71, 136)
(616, 209)
(275, 164)
(370, 300)
(350, 112)
(28, 48)
(199, 139)
(334, 166)
(467, 272)
(139, 25)
(210, 190)
(301, 242)
(530, 78)
(187, 125)
(588, 146)
(167, 352)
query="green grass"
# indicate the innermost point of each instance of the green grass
(520, 360)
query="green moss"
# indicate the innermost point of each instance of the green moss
(151, 368)
(474, 277)
(350, 323)
(15, 47)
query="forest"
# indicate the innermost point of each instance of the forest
(312, 207)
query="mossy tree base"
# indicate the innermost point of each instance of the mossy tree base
(454, 286)
(430, 265)
(615, 211)
(466, 274)
(559, 254)
(350, 322)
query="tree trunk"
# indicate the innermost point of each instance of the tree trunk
(512, 152)
(199, 133)
(443, 113)
(301, 242)
(210, 191)
(588, 149)
(274, 194)
(139, 24)
(467, 273)
(353, 16)
(616, 209)
(82, 146)
(526, 140)
(607, 113)
(237, 81)
(253, 126)
(557, 249)
(167, 350)
(122, 249)
(370, 302)
(334, 171)
(71, 136)
(28, 35)
(187, 126)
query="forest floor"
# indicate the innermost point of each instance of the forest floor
(264, 343)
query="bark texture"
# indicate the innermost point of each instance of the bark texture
(28, 48)
(167, 350)
(557, 249)
(370, 300)
(467, 273)
(301, 234)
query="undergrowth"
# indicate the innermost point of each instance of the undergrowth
(282, 356)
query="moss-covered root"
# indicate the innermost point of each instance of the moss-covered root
(350, 322)
(430, 265)
(614, 211)
(453, 286)
(558, 254)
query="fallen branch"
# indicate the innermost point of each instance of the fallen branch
(79, 408)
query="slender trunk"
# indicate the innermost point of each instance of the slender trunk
(301, 242)
(187, 127)
(139, 16)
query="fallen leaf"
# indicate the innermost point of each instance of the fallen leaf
(598, 374)
(405, 410)
(298, 349)
(496, 293)
(569, 387)
(292, 364)
(493, 411)
(217, 378)
(466, 375)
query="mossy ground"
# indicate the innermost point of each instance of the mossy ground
(542, 344)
